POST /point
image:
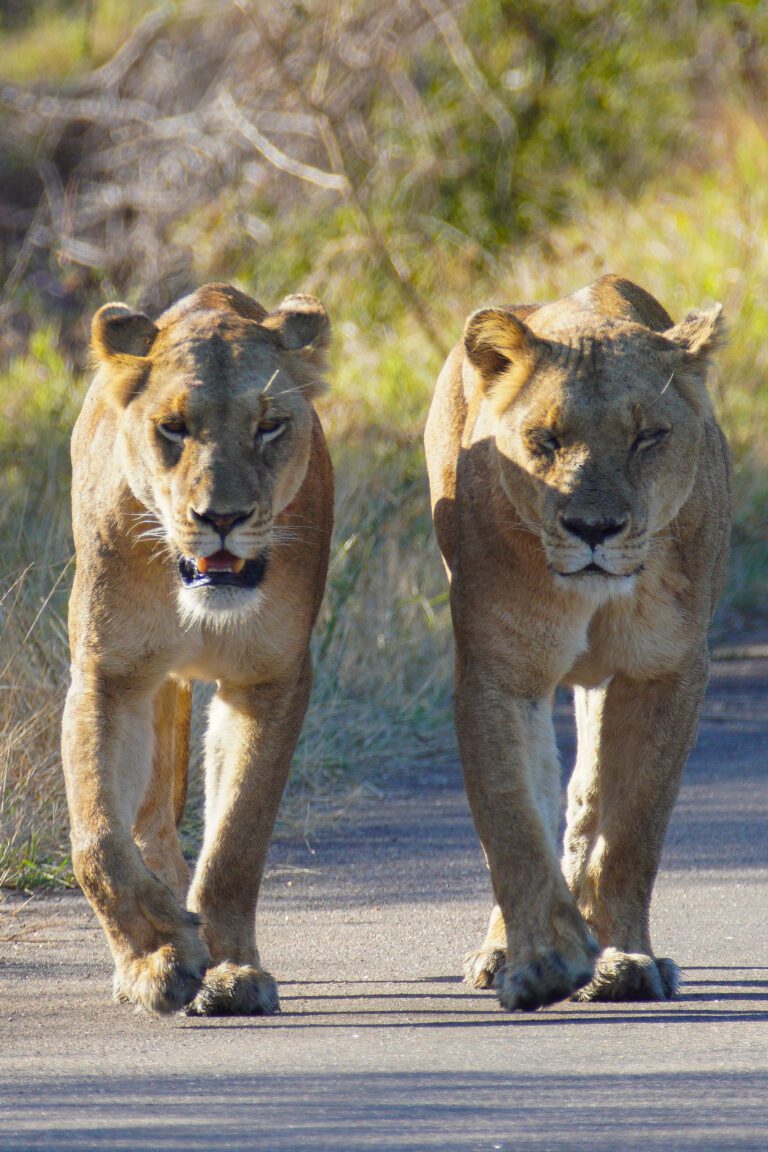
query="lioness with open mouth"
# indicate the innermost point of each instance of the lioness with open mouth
(580, 491)
(202, 508)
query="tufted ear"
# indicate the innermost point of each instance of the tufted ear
(300, 324)
(121, 340)
(503, 350)
(699, 335)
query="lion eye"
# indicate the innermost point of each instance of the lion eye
(267, 430)
(541, 440)
(649, 438)
(173, 430)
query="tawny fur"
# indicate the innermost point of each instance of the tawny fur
(221, 365)
(561, 437)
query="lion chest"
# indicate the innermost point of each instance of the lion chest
(645, 636)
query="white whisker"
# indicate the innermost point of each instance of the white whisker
(270, 382)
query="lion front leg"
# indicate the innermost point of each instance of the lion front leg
(510, 771)
(107, 754)
(634, 739)
(251, 739)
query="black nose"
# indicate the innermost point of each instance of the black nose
(223, 522)
(593, 532)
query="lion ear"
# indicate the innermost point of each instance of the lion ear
(300, 325)
(502, 349)
(117, 331)
(121, 340)
(300, 321)
(699, 335)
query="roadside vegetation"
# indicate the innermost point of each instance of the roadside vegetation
(406, 162)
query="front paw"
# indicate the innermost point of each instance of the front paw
(236, 990)
(631, 976)
(548, 977)
(480, 968)
(163, 981)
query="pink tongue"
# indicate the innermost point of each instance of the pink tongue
(221, 561)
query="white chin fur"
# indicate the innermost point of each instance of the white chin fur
(599, 589)
(217, 607)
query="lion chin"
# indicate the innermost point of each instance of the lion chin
(218, 606)
(597, 584)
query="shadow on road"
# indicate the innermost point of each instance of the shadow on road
(400, 1111)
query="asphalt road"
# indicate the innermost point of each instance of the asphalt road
(379, 1045)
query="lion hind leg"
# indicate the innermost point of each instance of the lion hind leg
(155, 827)
(480, 967)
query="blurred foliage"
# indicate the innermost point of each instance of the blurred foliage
(459, 129)
(55, 39)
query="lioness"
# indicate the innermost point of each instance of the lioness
(202, 506)
(580, 492)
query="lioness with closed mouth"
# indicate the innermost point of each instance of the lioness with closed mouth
(580, 491)
(202, 509)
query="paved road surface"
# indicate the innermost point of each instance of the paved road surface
(378, 1044)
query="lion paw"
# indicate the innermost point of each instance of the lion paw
(480, 968)
(631, 976)
(161, 982)
(547, 978)
(235, 990)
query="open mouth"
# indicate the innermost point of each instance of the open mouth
(222, 569)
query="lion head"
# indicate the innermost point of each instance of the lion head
(214, 430)
(596, 404)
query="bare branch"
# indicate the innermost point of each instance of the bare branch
(111, 73)
(63, 108)
(276, 156)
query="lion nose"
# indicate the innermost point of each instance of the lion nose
(223, 522)
(593, 532)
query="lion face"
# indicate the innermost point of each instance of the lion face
(215, 427)
(598, 425)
